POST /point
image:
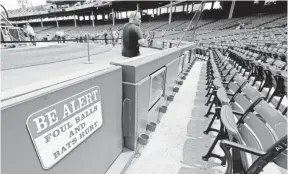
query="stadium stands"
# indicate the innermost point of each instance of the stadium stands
(248, 122)
(245, 77)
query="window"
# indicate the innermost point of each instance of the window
(157, 85)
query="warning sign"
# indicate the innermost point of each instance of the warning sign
(58, 129)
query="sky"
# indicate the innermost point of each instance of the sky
(13, 4)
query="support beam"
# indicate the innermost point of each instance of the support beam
(41, 22)
(170, 14)
(93, 18)
(113, 16)
(187, 7)
(138, 7)
(75, 23)
(57, 24)
(232, 9)
(212, 6)
(193, 7)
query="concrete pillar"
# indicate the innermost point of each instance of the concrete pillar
(160, 11)
(183, 8)
(93, 18)
(138, 7)
(212, 5)
(187, 7)
(41, 22)
(232, 9)
(113, 16)
(75, 23)
(57, 22)
(127, 14)
(192, 7)
(170, 14)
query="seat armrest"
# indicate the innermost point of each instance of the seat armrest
(243, 148)
(229, 94)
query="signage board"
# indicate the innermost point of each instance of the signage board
(57, 129)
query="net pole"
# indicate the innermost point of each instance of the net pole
(191, 23)
(88, 50)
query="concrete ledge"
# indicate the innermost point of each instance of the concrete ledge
(122, 162)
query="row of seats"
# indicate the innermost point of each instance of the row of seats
(267, 74)
(249, 126)
(264, 72)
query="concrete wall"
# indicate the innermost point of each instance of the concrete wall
(94, 155)
(137, 75)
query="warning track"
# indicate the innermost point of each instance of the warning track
(14, 59)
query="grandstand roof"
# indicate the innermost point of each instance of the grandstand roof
(131, 5)
(64, 1)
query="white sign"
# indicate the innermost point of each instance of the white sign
(58, 129)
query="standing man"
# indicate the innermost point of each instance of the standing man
(31, 33)
(115, 36)
(64, 36)
(112, 36)
(105, 37)
(58, 35)
(132, 36)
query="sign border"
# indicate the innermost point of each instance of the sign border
(35, 147)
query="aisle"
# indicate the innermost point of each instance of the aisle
(178, 143)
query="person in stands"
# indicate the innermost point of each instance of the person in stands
(63, 33)
(116, 35)
(163, 33)
(58, 35)
(112, 36)
(132, 36)
(31, 33)
(105, 37)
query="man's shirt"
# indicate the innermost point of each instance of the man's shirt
(30, 30)
(130, 37)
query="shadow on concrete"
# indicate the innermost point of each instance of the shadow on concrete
(201, 93)
(186, 170)
(199, 112)
(195, 127)
(200, 101)
(193, 151)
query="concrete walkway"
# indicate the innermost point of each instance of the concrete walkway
(178, 143)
